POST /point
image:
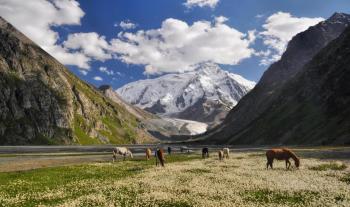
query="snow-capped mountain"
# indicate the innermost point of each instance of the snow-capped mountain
(205, 95)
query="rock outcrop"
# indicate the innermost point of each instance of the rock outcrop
(42, 102)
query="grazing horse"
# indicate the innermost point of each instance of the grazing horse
(226, 152)
(221, 155)
(121, 151)
(148, 153)
(159, 153)
(169, 150)
(281, 154)
(205, 152)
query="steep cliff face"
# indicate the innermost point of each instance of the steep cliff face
(301, 49)
(41, 102)
(313, 107)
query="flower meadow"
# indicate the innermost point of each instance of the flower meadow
(187, 180)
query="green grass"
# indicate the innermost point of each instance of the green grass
(346, 178)
(329, 166)
(80, 134)
(267, 196)
(30, 184)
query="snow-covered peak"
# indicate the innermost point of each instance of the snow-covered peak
(207, 87)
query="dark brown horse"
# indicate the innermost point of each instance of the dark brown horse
(160, 157)
(205, 152)
(281, 154)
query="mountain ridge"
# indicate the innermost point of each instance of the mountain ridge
(42, 102)
(301, 49)
(201, 95)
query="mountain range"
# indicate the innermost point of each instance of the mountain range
(301, 99)
(205, 95)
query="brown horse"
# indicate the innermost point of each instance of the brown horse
(148, 153)
(221, 155)
(160, 157)
(281, 154)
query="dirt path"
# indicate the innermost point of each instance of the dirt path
(22, 163)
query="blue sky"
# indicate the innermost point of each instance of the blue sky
(104, 16)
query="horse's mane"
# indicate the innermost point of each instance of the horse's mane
(292, 154)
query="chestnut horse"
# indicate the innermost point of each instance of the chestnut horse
(148, 153)
(281, 154)
(221, 155)
(160, 157)
(205, 152)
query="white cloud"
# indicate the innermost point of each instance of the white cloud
(98, 78)
(178, 47)
(221, 19)
(90, 44)
(259, 16)
(83, 72)
(35, 19)
(201, 3)
(127, 25)
(279, 29)
(106, 71)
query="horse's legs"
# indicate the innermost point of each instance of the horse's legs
(288, 164)
(270, 162)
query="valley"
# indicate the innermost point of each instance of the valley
(191, 103)
(322, 179)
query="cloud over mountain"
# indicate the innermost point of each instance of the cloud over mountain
(36, 18)
(177, 46)
(279, 28)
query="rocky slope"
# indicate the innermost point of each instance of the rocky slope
(41, 102)
(204, 95)
(247, 122)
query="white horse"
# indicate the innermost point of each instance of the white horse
(226, 152)
(121, 151)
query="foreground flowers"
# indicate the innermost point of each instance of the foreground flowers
(241, 180)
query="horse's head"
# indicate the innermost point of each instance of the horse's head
(297, 162)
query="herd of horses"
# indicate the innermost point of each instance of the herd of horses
(272, 154)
